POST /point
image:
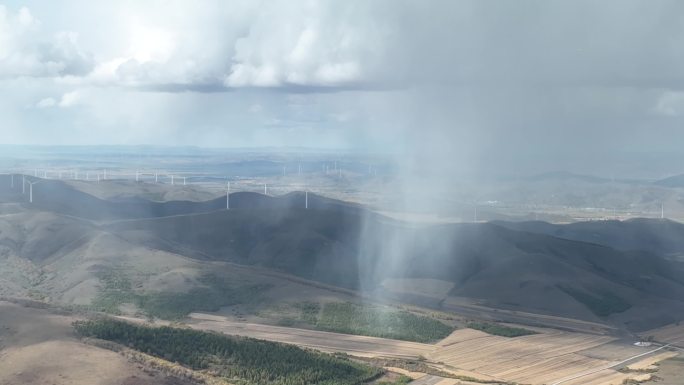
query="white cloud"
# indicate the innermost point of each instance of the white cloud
(315, 47)
(46, 103)
(151, 44)
(25, 50)
(24, 17)
(321, 44)
(67, 100)
(70, 99)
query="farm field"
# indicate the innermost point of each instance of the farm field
(550, 357)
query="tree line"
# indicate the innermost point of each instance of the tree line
(242, 360)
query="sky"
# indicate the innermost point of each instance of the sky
(519, 86)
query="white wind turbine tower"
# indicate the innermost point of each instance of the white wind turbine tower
(662, 211)
(12, 180)
(265, 189)
(183, 181)
(171, 179)
(31, 190)
(306, 199)
(104, 174)
(156, 177)
(23, 184)
(227, 195)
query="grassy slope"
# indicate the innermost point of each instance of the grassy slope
(116, 291)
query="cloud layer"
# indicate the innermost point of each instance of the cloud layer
(541, 84)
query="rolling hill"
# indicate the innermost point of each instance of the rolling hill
(509, 268)
(585, 270)
(662, 237)
(64, 198)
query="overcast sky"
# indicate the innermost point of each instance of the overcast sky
(468, 83)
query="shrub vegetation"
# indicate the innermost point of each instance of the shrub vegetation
(116, 290)
(379, 321)
(500, 330)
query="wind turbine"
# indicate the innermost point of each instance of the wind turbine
(171, 179)
(12, 180)
(265, 189)
(662, 211)
(228, 196)
(306, 199)
(156, 177)
(23, 184)
(31, 189)
(183, 181)
(104, 174)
